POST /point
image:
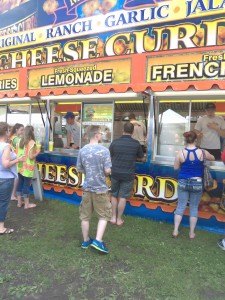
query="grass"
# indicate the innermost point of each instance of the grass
(43, 260)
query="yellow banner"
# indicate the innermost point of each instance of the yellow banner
(9, 81)
(186, 67)
(107, 72)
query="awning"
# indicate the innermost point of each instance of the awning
(130, 73)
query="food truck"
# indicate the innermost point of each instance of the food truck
(102, 60)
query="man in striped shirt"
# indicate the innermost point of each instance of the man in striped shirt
(124, 152)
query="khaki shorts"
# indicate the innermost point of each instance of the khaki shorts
(100, 203)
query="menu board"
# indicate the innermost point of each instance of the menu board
(100, 114)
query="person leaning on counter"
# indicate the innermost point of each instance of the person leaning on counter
(73, 131)
(210, 128)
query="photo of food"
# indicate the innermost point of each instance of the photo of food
(50, 6)
(6, 5)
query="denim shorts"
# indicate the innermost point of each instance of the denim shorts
(189, 191)
(191, 185)
(121, 188)
(6, 188)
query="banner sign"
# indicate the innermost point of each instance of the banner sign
(152, 191)
(9, 81)
(146, 187)
(81, 29)
(41, 33)
(107, 72)
(186, 67)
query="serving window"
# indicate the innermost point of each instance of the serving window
(109, 115)
(174, 117)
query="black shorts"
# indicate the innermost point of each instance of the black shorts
(121, 188)
(215, 152)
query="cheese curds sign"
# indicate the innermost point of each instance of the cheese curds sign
(57, 50)
(121, 32)
(182, 36)
(146, 187)
(151, 190)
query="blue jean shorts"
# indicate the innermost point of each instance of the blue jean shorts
(121, 188)
(189, 191)
(190, 185)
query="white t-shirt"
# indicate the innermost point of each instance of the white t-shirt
(210, 139)
(74, 130)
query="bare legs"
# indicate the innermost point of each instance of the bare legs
(19, 201)
(114, 210)
(183, 197)
(13, 197)
(121, 207)
(27, 203)
(100, 230)
(85, 230)
(177, 220)
(193, 222)
(2, 227)
(118, 206)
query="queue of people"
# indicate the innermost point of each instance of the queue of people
(94, 161)
(17, 162)
(17, 159)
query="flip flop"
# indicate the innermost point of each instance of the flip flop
(121, 224)
(7, 231)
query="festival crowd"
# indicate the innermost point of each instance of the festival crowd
(18, 152)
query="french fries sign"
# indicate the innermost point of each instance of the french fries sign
(9, 81)
(187, 67)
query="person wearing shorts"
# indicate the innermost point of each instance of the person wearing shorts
(124, 153)
(94, 161)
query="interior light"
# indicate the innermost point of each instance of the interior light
(212, 100)
(192, 100)
(222, 113)
(174, 101)
(60, 103)
(91, 96)
(124, 101)
(64, 112)
(15, 99)
(190, 93)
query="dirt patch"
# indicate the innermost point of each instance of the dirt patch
(211, 294)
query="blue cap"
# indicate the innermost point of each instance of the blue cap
(69, 114)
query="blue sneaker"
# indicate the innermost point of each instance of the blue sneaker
(100, 246)
(85, 245)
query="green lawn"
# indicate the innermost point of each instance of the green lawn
(43, 260)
